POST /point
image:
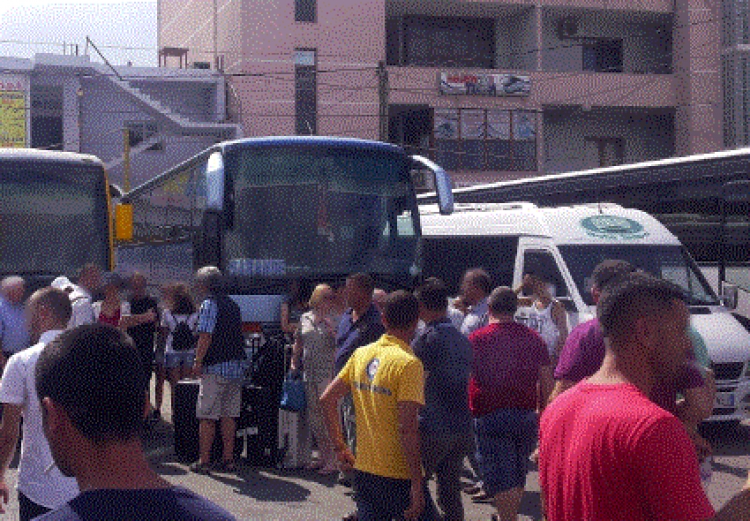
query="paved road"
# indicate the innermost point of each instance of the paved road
(274, 495)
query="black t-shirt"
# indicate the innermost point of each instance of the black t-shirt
(163, 504)
(143, 335)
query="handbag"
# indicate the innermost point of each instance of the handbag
(293, 395)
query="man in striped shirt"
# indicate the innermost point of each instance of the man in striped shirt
(219, 364)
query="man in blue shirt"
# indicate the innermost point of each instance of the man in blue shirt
(360, 325)
(445, 421)
(476, 286)
(14, 331)
(219, 363)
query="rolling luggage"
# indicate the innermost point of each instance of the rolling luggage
(184, 420)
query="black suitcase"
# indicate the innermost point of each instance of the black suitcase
(186, 447)
(184, 420)
(258, 425)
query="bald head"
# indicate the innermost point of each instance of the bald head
(13, 289)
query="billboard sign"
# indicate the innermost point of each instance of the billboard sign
(472, 84)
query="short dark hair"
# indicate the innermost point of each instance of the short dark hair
(502, 301)
(95, 374)
(433, 294)
(633, 296)
(56, 300)
(608, 271)
(363, 281)
(480, 278)
(400, 310)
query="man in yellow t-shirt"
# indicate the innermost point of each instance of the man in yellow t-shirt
(386, 381)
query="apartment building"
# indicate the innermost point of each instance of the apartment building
(491, 89)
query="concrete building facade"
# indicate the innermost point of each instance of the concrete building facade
(64, 102)
(491, 89)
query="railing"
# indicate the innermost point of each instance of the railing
(89, 42)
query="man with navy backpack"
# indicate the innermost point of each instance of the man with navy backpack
(219, 364)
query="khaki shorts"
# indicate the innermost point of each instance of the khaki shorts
(218, 397)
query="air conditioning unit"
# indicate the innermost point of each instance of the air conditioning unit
(568, 27)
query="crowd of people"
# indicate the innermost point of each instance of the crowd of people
(401, 388)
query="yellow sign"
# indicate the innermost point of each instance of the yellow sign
(12, 118)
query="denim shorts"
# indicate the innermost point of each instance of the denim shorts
(505, 440)
(174, 359)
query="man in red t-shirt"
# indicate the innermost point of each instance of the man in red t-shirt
(511, 367)
(606, 451)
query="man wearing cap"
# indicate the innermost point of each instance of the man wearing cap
(89, 279)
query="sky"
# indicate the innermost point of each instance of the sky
(34, 26)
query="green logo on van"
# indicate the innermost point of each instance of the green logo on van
(613, 227)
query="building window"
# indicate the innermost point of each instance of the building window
(441, 41)
(602, 55)
(305, 10)
(305, 95)
(486, 139)
(141, 131)
(610, 150)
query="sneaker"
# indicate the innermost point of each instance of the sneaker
(472, 488)
(200, 468)
(482, 497)
(328, 469)
(225, 466)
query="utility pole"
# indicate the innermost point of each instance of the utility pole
(216, 35)
(383, 92)
(126, 159)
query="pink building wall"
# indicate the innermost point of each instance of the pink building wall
(258, 38)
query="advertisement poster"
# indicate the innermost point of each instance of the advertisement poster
(524, 126)
(484, 84)
(12, 118)
(446, 124)
(498, 124)
(14, 94)
(472, 124)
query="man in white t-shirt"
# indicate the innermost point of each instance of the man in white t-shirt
(89, 281)
(41, 486)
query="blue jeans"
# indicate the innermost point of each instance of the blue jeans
(385, 499)
(505, 440)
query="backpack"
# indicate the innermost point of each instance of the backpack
(183, 338)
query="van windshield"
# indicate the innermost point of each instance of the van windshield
(668, 262)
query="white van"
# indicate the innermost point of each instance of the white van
(565, 244)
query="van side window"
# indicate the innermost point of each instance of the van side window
(543, 264)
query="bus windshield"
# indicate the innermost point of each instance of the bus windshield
(320, 211)
(669, 262)
(53, 217)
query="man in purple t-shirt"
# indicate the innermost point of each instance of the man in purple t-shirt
(583, 352)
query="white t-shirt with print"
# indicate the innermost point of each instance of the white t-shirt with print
(48, 489)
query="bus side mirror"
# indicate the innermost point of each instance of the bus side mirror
(729, 295)
(441, 182)
(124, 222)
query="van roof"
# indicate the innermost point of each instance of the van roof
(603, 223)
